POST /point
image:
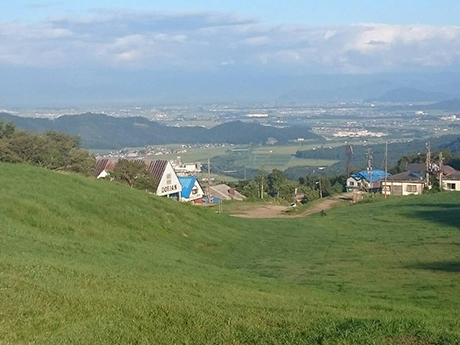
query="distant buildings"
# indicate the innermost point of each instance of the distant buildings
(224, 192)
(364, 180)
(405, 183)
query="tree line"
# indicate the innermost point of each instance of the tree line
(51, 150)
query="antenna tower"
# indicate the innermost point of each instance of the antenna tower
(349, 154)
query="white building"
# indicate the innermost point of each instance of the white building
(169, 184)
(451, 182)
(186, 169)
(161, 170)
(406, 183)
(191, 190)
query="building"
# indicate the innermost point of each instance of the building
(224, 192)
(102, 168)
(405, 183)
(191, 190)
(185, 169)
(169, 184)
(451, 182)
(161, 171)
(365, 181)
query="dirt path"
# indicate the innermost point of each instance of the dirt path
(278, 211)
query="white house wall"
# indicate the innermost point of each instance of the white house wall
(168, 186)
(448, 183)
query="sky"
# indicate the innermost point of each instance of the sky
(56, 52)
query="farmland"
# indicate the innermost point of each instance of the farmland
(87, 261)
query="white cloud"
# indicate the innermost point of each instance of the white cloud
(208, 41)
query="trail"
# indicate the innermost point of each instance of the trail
(278, 211)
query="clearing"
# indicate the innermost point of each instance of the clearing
(84, 261)
(247, 210)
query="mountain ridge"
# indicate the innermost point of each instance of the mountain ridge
(106, 132)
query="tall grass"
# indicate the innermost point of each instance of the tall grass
(86, 261)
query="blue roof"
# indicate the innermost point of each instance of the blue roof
(187, 185)
(377, 175)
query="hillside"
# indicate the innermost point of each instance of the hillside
(102, 131)
(86, 262)
(449, 105)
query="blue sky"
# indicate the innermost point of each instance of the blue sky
(319, 12)
(110, 50)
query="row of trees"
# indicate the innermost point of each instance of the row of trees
(277, 185)
(51, 150)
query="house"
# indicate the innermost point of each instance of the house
(169, 184)
(451, 182)
(224, 192)
(161, 171)
(365, 180)
(191, 190)
(405, 183)
(102, 167)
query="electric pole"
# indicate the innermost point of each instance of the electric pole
(428, 163)
(369, 167)
(349, 152)
(441, 159)
(320, 189)
(262, 176)
(386, 168)
(209, 181)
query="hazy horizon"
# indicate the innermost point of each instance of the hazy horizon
(124, 53)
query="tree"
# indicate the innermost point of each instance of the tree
(275, 181)
(81, 161)
(251, 190)
(134, 174)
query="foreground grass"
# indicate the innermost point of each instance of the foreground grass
(85, 261)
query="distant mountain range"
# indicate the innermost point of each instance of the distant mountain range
(405, 94)
(107, 132)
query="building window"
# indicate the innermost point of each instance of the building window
(451, 186)
(411, 188)
(352, 183)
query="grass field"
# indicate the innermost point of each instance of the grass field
(282, 157)
(90, 262)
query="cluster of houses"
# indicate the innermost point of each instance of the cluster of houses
(410, 182)
(176, 180)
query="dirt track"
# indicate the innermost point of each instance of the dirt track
(277, 211)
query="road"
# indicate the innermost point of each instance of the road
(278, 211)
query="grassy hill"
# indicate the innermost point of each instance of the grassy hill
(91, 262)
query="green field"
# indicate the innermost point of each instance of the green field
(91, 262)
(282, 157)
(281, 161)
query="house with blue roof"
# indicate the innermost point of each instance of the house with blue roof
(366, 180)
(191, 190)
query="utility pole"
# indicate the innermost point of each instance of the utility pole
(386, 168)
(349, 152)
(428, 163)
(209, 181)
(369, 167)
(262, 176)
(441, 159)
(146, 156)
(320, 189)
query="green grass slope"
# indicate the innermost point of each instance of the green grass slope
(92, 262)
